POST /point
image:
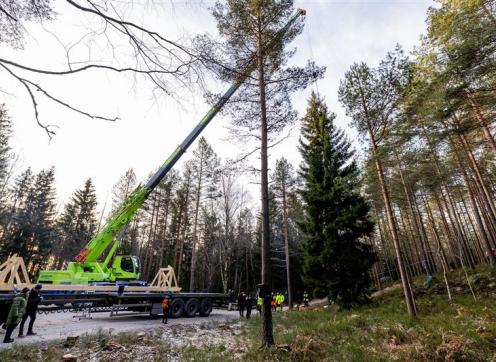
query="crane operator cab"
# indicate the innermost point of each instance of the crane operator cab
(126, 267)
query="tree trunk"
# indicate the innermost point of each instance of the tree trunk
(447, 230)
(416, 228)
(480, 227)
(440, 249)
(480, 118)
(475, 167)
(164, 228)
(286, 246)
(267, 332)
(195, 228)
(430, 255)
(409, 298)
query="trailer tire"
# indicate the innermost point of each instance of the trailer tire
(206, 307)
(177, 308)
(191, 307)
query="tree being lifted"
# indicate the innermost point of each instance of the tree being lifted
(262, 103)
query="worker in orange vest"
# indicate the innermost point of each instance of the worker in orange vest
(165, 309)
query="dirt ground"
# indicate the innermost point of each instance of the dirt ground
(56, 326)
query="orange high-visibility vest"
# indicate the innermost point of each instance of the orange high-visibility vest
(165, 303)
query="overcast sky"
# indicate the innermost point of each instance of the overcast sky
(337, 33)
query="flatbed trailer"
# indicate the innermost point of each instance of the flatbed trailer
(117, 298)
(118, 302)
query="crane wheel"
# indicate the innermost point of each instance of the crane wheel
(206, 307)
(191, 307)
(177, 308)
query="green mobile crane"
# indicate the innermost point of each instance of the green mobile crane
(87, 268)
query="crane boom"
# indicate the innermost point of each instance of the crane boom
(97, 246)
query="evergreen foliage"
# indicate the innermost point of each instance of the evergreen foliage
(129, 235)
(77, 223)
(337, 262)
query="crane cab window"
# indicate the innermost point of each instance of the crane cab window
(127, 265)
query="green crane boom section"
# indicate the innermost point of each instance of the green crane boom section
(97, 246)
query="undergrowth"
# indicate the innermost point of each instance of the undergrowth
(461, 330)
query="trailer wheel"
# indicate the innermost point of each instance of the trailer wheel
(206, 307)
(191, 308)
(177, 308)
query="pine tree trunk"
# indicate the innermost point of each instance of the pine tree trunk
(195, 229)
(384, 244)
(286, 246)
(410, 251)
(460, 231)
(164, 228)
(480, 118)
(146, 262)
(267, 332)
(478, 243)
(416, 229)
(440, 249)
(480, 227)
(430, 255)
(475, 167)
(409, 298)
(448, 232)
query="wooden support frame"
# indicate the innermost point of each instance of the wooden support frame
(165, 278)
(14, 272)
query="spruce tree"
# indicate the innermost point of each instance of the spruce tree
(336, 263)
(15, 215)
(77, 224)
(30, 231)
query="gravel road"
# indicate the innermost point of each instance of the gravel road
(56, 326)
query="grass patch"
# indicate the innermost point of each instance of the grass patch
(464, 330)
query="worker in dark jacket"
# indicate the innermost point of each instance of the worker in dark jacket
(241, 303)
(16, 312)
(34, 299)
(248, 306)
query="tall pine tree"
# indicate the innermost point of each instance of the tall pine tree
(337, 263)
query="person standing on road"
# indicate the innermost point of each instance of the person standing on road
(248, 306)
(305, 298)
(34, 299)
(165, 309)
(241, 303)
(16, 312)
